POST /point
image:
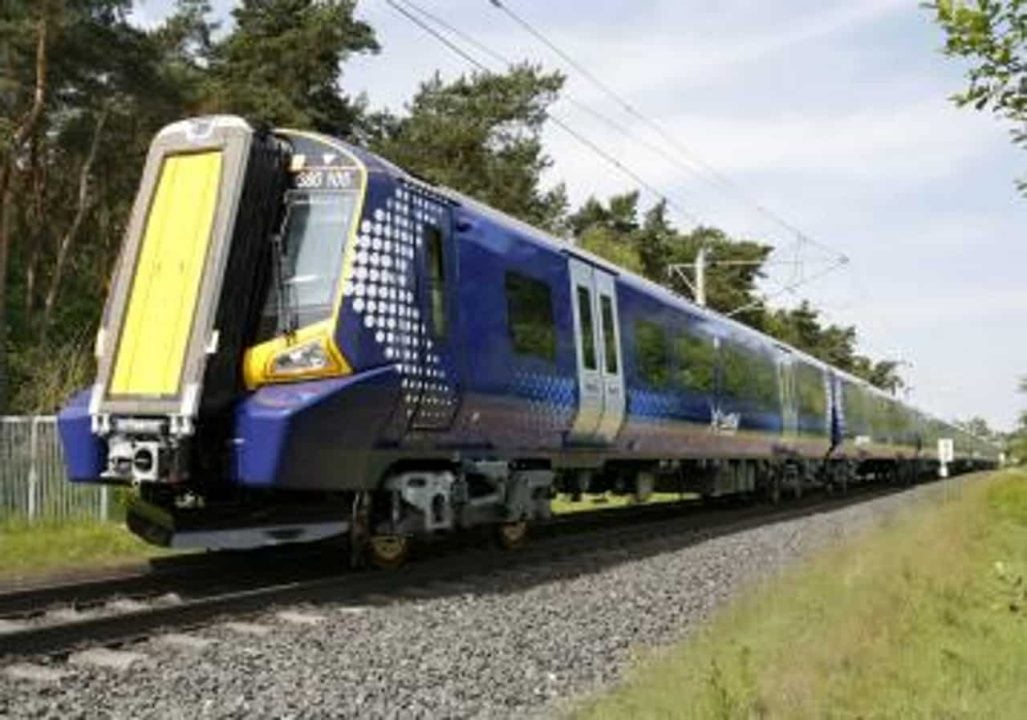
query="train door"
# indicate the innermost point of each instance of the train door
(837, 416)
(789, 411)
(597, 345)
(611, 365)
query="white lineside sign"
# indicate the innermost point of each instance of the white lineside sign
(946, 454)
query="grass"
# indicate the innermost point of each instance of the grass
(41, 548)
(923, 617)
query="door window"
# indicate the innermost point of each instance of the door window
(587, 328)
(609, 335)
(436, 279)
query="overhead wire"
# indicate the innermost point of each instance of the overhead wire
(410, 10)
(657, 151)
(716, 177)
(555, 119)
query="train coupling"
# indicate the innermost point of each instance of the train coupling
(140, 450)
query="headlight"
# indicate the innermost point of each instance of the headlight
(309, 357)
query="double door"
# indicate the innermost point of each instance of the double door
(601, 400)
(789, 395)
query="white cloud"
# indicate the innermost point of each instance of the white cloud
(700, 45)
(913, 143)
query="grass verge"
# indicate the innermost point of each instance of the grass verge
(925, 616)
(31, 550)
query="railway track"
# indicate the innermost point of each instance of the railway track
(55, 621)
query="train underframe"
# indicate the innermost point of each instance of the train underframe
(420, 499)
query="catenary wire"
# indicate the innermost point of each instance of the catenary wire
(408, 10)
(715, 176)
(556, 120)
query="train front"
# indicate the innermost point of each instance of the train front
(229, 390)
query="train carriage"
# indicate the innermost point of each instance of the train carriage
(304, 340)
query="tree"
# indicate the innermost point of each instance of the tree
(1016, 441)
(70, 175)
(479, 134)
(82, 92)
(978, 426)
(653, 245)
(70, 161)
(992, 34)
(21, 116)
(613, 231)
(803, 328)
(281, 63)
(883, 374)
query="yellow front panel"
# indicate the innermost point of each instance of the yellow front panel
(166, 285)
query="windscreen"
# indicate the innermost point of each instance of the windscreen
(313, 240)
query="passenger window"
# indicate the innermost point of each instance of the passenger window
(651, 353)
(695, 359)
(436, 278)
(765, 378)
(529, 307)
(854, 407)
(750, 375)
(812, 393)
(734, 362)
(587, 328)
(609, 334)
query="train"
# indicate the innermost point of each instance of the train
(302, 340)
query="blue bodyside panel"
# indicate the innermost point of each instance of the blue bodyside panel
(85, 455)
(303, 435)
(513, 400)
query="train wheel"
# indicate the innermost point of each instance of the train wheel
(512, 534)
(359, 529)
(774, 486)
(388, 551)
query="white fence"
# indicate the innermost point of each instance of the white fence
(33, 482)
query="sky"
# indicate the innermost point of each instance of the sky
(833, 114)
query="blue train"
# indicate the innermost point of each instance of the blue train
(303, 340)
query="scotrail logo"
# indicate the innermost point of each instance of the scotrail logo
(725, 423)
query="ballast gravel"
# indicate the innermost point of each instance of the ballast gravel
(526, 642)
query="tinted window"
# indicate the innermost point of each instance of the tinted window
(880, 417)
(587, 328)
(695, 360)
(609, 334)
(750, 375)
(316, 229)
(855, 409)
(436, 278)
(812, 394)
(651, 353)
(529, 307)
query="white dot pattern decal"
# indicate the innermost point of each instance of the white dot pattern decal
(381, 286)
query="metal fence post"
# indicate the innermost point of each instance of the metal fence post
(33, 469)
(104, 503)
